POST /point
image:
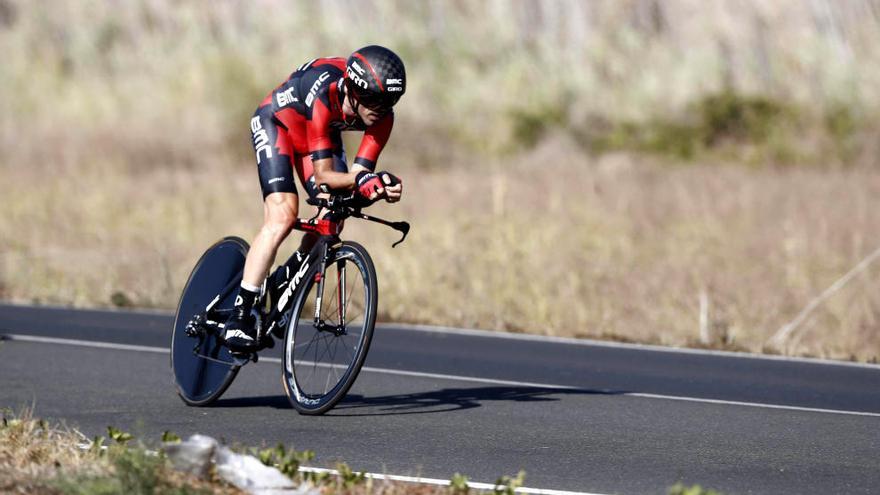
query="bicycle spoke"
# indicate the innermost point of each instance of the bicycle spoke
(309, 344)
(328, 352)
(332, 368)
(320, 339)
(323, 352)
(314, 370)
(351, 354)
(348, 302)
(340, 283)
(316, 338)
(350, 295)
(333, 298)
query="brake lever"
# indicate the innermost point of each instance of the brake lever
(318, 203)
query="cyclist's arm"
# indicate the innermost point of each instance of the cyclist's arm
(324, 174)
(372, 143)
(321, 148)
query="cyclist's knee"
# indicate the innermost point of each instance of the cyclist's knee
(278, 226)
(281, 213)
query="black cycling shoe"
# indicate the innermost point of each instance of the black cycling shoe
(240, 335)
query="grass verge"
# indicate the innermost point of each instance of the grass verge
(42, 459)
(39, 458)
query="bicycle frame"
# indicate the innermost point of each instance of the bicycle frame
(328, 232)
(279, 314)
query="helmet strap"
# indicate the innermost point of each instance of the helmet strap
(353, 103)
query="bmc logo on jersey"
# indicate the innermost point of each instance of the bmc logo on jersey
(285, 98)
(261, 139)
(310, 98)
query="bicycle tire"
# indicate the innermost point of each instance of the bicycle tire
(298, 369)
(200, 380)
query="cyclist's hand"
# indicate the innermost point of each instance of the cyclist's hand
(393, 186)
(369, 185)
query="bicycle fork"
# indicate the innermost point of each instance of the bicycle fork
(340, 296)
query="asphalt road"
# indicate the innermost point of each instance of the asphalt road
(575, 416)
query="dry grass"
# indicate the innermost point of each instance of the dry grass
(44, 459)
(621, 248)
(163, 82)
(39, 458)
(614, 247)
(32, 453)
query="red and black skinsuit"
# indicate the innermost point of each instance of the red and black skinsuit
(300, 121)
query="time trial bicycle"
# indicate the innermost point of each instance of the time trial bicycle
(321, 307)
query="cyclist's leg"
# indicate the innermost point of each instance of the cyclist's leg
(279, 215)
(273, 152)
(280, 202)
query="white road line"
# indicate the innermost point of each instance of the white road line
(460, 378)
(498, 334)
(751, 404)
(490, 381)
(433, 481)
(86, 343)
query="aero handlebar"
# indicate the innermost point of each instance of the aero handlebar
(349, 204)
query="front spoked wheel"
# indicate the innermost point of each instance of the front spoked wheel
(329, 335)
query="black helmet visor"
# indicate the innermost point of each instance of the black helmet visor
(377, 102)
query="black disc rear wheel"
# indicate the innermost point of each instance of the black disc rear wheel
(322, 358)
(203, 367)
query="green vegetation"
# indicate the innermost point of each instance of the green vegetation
(133, 471)
(458, 485)
(287, 461)
(752, 129)
(507, 485)
(681, 489)
(38, 458)
(724, 120)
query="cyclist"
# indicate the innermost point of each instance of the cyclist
(297, 126)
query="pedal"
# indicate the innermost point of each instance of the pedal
(194, 327)
(246, 356)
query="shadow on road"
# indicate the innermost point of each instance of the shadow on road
(276, 401)
(450, 399)
(437, 401)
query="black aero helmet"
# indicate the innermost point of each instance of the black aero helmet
(375, 76)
